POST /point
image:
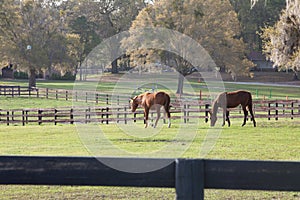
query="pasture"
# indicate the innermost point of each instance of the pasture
(270, 140)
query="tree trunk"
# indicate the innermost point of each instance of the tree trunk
(180, 84)
(114, 67)
(32, 78)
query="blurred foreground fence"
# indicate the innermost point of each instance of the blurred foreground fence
(188, 176)
(185, 111)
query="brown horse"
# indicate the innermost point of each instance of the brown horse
(153, 101)
(231, 100)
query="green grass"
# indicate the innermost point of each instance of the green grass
(270, 140)
(32, 102)
(118, 84)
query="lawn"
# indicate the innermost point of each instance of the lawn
(124, 84)
(271, 140)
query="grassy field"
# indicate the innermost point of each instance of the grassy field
(270, 140)
(124, 85)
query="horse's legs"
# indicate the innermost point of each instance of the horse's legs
(167, 110)
(252, 115)
(157, 117)
(146, 114)
(224, 116)
(245, 115)
(227, 118)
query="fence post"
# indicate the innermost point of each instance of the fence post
(12, 115)
(125, 115)
(19, 90)
(87, 115)
(184, 113)
(40, 112)
(200, 95)
(206, 112)
(71, 116)
(56, 94)
(7, 118)
(66, 95)
(118, 115)
(269, 111)
(55, 116)
(23, 117)
(47, 93)
(26, 114)
(97, 98)
(107, 98)
(189, 179)
(107, 114)
(292, 110)
(276, 111)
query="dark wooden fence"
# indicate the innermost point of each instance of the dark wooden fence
(61, 94)
(188, 176)
(16, 91)
(186, 111)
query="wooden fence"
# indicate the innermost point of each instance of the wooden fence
(16, 91)
(188, 176)
(79, 96)
(186, 111)
(61, 94)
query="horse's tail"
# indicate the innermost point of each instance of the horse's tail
(167, 105)
(249, 103)
(250, 108)
(168, 102)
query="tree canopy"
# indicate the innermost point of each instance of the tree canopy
(282, 41)
(212, 23)
(43, 35)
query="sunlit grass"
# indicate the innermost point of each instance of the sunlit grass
(270, 140)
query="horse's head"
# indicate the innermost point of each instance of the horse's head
(134, 103)
(213, 118)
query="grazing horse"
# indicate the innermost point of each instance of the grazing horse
(227, 100)
(153, 101)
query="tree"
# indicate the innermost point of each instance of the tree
(95, 21)
(252, 20)
(31, 35)
(212, 23)
(282, 41)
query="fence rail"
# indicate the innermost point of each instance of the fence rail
(185, 111)
(188, 176)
